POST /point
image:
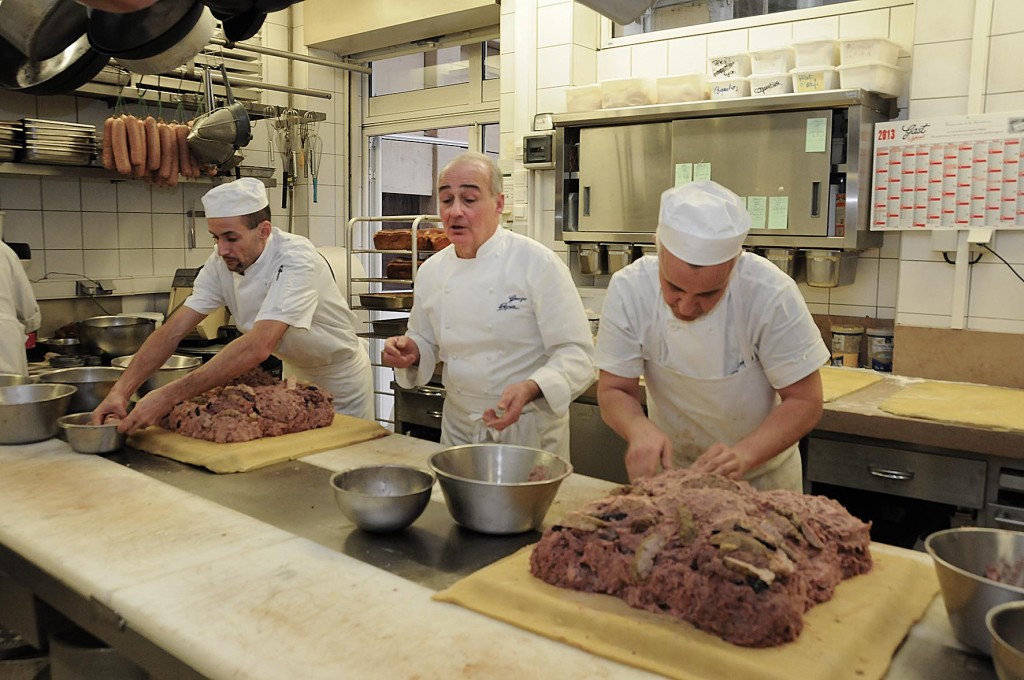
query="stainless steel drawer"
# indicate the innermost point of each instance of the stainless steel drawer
(419, 405)
(912, 474)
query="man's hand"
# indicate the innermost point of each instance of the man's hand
(722, 460)
(148, 411)
(112, 405)
(513, 399)
(649, 451)
(400, 351)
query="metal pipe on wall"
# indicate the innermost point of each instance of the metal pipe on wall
(270, 51)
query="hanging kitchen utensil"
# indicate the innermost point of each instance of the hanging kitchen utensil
(179, 53)
(70, 69)
(216, 136)
(314, 152)
(144, 33)
(41, 29)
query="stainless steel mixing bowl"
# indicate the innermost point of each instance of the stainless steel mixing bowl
(29, 413)
(1005, 625)
(93, 383)
(86, 438)
(498, 488)
(114, 336)
(963, 557)
(176, 366)
(382, 498)
(8, 379)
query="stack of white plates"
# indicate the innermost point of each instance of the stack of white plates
(10, 139)
(59, 143)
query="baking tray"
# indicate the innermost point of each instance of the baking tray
(58, 125)
(402, 300)
(56, 157)
(390, 326)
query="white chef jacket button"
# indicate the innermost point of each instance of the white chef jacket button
(490, 290)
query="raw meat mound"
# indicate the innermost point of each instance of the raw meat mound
(733, 561)
(252, 406)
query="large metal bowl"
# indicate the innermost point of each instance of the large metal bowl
(86, 438)
(8, 379)
(1005, 625)
(382, 498)
(498, 488)
(29, 413)
(114, 336)
(66, 347)
(962, 559)
(176, 366)
(93, 383)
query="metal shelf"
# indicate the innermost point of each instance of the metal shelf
(93, 172)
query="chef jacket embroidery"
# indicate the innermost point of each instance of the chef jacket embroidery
(511, 303)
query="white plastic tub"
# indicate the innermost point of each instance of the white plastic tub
(874, 76)
(812, 53)
(619, 92)
(729, 66)
(815, 79)
(776, 60)
(583, 97)
(689, 87)
(729, 88)
(768, 84)
(868, 51)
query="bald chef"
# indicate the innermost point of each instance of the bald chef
(284, 300)
(724, 341)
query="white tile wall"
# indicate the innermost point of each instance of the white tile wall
(941, 69)
(650, 59)
(941, 20)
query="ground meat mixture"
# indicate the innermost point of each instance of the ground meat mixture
(739, 563)
(252, 406)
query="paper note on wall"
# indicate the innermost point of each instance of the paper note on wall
(684, 173)
(701, 171)
(757, 206)
(778, 212)
(817, 129)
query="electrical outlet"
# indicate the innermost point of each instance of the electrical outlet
(981, 236)
(88, 288)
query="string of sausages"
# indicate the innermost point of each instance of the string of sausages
(149, 149)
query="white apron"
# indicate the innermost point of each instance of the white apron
(351, 385)
(462, 423)
(698, 412)
(12, 347)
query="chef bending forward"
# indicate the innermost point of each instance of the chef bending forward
(283, 299)
(724, 341)
(502, 313)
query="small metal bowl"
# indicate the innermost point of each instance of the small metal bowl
(86, 438)
(1005, 625)
(29, 413)
(382, 498)
(9, 379)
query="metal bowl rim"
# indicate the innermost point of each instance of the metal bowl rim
(191, 362)
(990, 623)
(65, 422)
(442, 474)
(964, 572)
(57, 371)
(413, 468)
(63, 389)
(127, 321)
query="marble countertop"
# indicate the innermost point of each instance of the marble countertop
(234, 597)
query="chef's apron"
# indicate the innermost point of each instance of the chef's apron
(696, 413)
(462, 423)
(12, 347)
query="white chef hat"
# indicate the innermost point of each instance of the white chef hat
(702, 223)
(241, 197)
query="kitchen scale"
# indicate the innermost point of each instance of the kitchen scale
(181, 287)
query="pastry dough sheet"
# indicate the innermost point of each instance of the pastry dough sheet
(995, 408)
(854, 635)
(838, 382)
(242, 456)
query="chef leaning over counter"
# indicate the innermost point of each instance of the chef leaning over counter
(725, 343)
(501, 311)
(19, 312)
(284, 300)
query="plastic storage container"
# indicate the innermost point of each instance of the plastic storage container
(583, 97)
(689, 87)
(867, 50)
(729, 66)
(729, 88)
(846, 345)
(767, 84)
(880, 349)
(830, 268)
(619, 92)
(814, 79)
(812, 53)
(777, 60)
(875, 76)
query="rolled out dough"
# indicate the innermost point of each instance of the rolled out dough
(996, 408)
(838, 382)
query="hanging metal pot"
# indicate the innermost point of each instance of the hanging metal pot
(76, 65)
(41, 29)
(217, 135)
(179, 53)
(144, 33)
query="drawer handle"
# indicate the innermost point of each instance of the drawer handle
(430, 391)
(898, 475)
(1007, 520)
(435, 414)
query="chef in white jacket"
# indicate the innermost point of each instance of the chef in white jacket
(724, 341)
(284, 300)
(19, 312)
(502, 313)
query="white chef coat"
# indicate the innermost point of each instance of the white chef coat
(713, 379)
(292, 283)
(19, 312)
(508, 315)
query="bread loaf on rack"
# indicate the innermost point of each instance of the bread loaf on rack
(393, 239)
(431, 239)
(399, 268)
